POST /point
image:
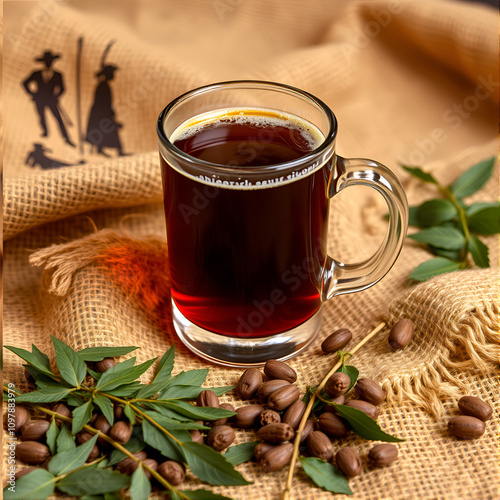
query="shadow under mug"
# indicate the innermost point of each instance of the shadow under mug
(248, 246)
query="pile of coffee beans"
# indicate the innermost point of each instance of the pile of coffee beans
(471, 424)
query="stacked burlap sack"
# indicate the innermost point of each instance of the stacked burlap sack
(392, 72)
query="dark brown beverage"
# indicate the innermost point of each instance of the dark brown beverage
(246, 260)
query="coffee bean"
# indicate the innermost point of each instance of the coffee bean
(223, 421)
(83, 437)
(401, 334)
(349, 462)
(275, 369)
(125, 465)
(275, 433)
(152, 464)
(332, 425)
(220, 437)
(34, 430)
(337, 384)
(383, 454)
(62, 409)
(368, 390)
(261, 449)
(118, 411)
(23, 472)
(364, 406)
(308, 428)
(121, 432)
(293, 414)
(208, 398)
(101, 424)
(249, 383)
(197, 436)
(466, 427)
(337, 340)
(319, 445)
(32, 452)
(172, 471)
(277, 457)
(269, 417)
(283, 397)
(94, 453)
(267, 388)
(104, 365)
(247, 416)
(475, 407)
(339, 400)
(21, 417)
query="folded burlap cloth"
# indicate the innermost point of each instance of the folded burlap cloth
(85, 258)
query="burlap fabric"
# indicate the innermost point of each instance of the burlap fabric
(393, 73)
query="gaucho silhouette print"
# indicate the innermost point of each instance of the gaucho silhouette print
(38, 157)
(102, 127)
(45, 87)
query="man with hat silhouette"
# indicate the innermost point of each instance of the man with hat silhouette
(46, 86)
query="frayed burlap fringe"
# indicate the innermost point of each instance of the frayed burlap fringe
(456, 319)
(62, 261)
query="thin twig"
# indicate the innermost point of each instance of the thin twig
(288, 487)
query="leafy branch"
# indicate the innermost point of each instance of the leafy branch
(449, 226)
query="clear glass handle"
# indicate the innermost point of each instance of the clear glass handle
(340, 278)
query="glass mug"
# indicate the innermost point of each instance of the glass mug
(248, 170)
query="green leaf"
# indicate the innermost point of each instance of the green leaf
(129, 413)
(47, 394)
(191, 377)
(140, 487)
(119, 375)
(353, 373)
(68, 461)
(35, 358)
(106, 407)
(81, 416)
(167, 412)
(161, 442)
(484, 220)
(127, 390)
(93, 373)
(51, 436)
(240, 453)
(442, 237)
(65, 441)
(41, 379)
(433, 267)
(202, 494)
(196, 412)
(113, 495)
(93, 481)
(71, 367)
(92, 497)
(191, 391)
(478, 250)
(412, 216)
(133, 445)
(473, 179)
(36, 485)
(435, 212)
(363, 425)
(171, 424)
(163, 372)
(74, 400)
(99, 353)
(419, 173)
(325, 475)
(456, 255)
(210, 466)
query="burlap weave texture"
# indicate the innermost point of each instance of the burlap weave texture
(390, 91)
